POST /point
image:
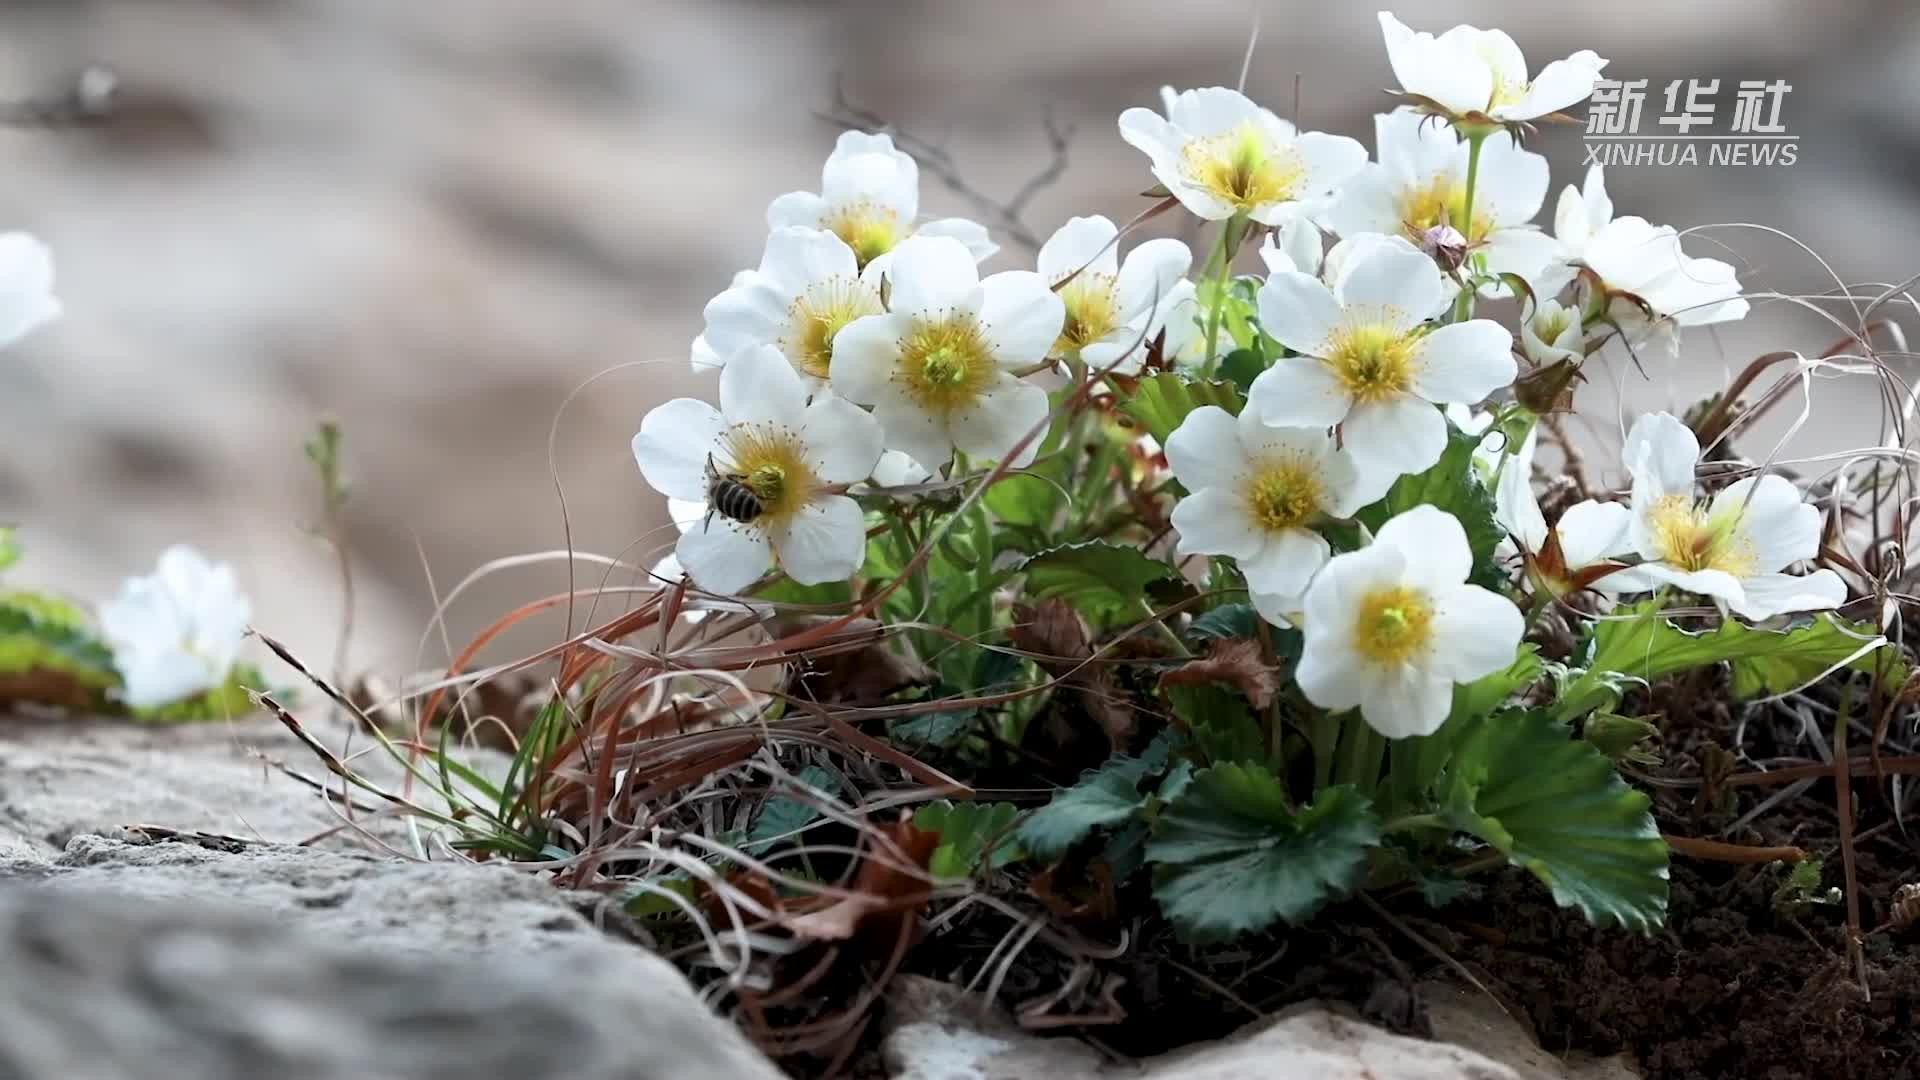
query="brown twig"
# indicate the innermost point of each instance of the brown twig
(1694, 847)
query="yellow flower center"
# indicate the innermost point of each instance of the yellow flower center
(945, 363)
(819, 313)
(1283, 494)
(1093, 311)
(1440, 201)
(871, 231)
(1373, 361)
(1396, 622)
(770, 460)
(1691, 538)
(1548, 326)
(1240, 168)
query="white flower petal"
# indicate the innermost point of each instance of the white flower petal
(675, 441)
(1367, 203)
(1287, 562)
(1082, 245)
(1299, 312)
(978, 241)
(759, 386)
(1767, 595)
(1396, 287)
(1475, 632)
(1406, 701)
(1400, 434)
(1432, 545)
(1559, 84)
(1299, 392)
(1779, 528)
(1148, 276)
(1592, 531)
(1518, 511)
(842, 440)
(722, 557)
(1021, 317)
(825, 541)
(1426, 67)
(26, 287)
(1214, 521)
(1001, 418)
(914, 432)
(1329, 160)
(867, 168)
(1205, 450)
(933, 276)
(1661, 453)
(865, 357)
(797, 208)
(1464, 362)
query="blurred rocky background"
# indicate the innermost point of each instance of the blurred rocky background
(434, 219)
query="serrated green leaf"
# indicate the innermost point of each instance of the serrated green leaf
(1235, 858)
(1222, 726)
(966, 830)
(1162, 402)
(1104, 582)
(941, 730)
(783, 815)
(1554, 805)
(1454, 485)
(1225, 621)
(1104, 796)
(1640, 645)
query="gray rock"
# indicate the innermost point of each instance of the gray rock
(213, 961)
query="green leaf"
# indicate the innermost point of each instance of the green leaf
(1160, 403)
(1554, 805)
(1104, 796)
(1242, 366)
(1453, 485)
(1641, 645)
(966, 830)
(224, 702)
(941, 730)
(9, 548)
(1225, 621)
(1236, 858)
(1490, 692)
(1105, 582)
(1024, 499)
(786, 814)
(1223, 727)
(46, 634)
(788, 591)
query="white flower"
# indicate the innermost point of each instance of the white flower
(898, 470)
(1392, 627)
(1221, 155)
(807, 288)
(177, 632)
(1420, 183)
(792, 456)
(1633, 259)
(1294, 246)
(1367, 363)
(1109, 303)
(1577, 552)
(26, 287)
(1552, 334)
(1256, 493)
(1732, 548)
(937, 368)
(1481, 75)
(869, 197)
(1184, 319)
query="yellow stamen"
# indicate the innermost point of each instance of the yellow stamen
(945, 363)
(1373, 361)
(816, 315)
(1396, 623)
(770, 460)
(1440, 201)
(1241, 168)
(1693, 538)
(1284, 493)
(1093, 311)
(871, 231)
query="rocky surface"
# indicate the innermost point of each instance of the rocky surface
(940, 1034)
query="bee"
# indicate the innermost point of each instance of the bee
(729, 496)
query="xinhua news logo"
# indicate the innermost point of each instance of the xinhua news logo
(1753, 135)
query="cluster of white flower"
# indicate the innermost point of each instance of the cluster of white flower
(177, 632)
(864, 332)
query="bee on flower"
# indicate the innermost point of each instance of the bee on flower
(943, 367)
(1369, 362)
(870, 198)
(1479, 77)
(1393, 627)
(1223, 156)
(770, 467)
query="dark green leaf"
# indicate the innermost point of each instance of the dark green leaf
(1453, 485)
(1104, 796)
(785, 814)
(1554, 805)
(1235, 858)
(1223, 727)
(1242, 366)
(1104, 582)
(1161, 402)
(966, 831)
(1490, 692)
(1225, 621)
